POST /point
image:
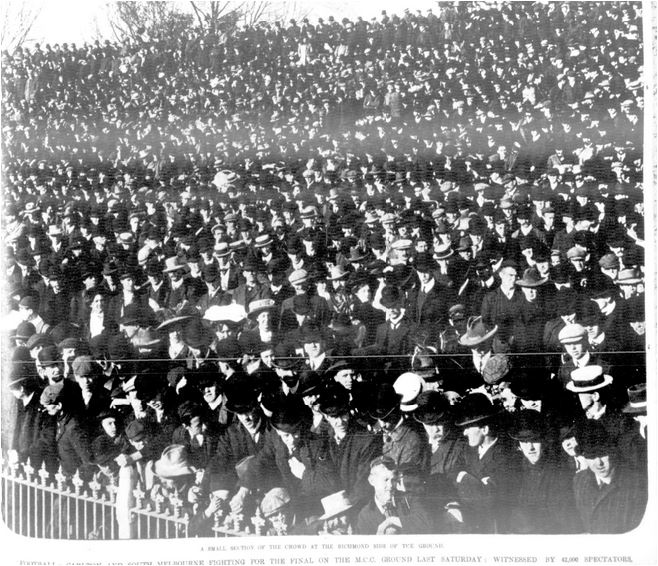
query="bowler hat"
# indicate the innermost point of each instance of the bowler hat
(291, 416)
(385, 402)
(334, 400)
(433, 408)
(528, 426)
(593, 439)
(476, 408)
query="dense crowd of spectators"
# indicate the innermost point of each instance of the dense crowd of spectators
(339, 270)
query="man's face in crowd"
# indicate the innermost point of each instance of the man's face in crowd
(383, 482)
(601, 466)
(313, 349)
(425, 277)
(109, 425)
(346, 378)
(290, 439)
(508, 277)
(530, 294)
(210, 393)
(435, 432)
(531, 450)
(250, 420)
(475, 435)
(576, 350)
(339, 423)
(54, 372)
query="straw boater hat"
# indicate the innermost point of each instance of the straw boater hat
(335, 504)
(476, 332)
(629, 277)
(587, 379)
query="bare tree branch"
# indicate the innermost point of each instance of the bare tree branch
(18, 18)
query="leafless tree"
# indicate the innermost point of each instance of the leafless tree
(147, 20)
(215, 17)
(18, 17)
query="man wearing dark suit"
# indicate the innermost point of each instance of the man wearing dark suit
(388, 513)
(610, 497)
(486, 483)
(245, 436)
(427, 305)
(351, 446)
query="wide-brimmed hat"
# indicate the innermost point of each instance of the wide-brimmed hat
(587, 379)
(230, 314)
(476, 408)
(222, 249)
(637, 400)
(531, 278)
(146, 338)
(175, 263)
(177, 316)
(337, 272)
(174, 462)
(256, 307)
(335, 504)
(476, 332)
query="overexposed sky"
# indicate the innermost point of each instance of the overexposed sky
(77, 21)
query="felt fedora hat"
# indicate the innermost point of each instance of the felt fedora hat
(476, 332)
(174, 462)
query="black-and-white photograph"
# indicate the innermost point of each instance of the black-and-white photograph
(282, 268)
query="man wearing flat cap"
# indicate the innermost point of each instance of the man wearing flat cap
(610, 497)
(95, 398)
(486, 484)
